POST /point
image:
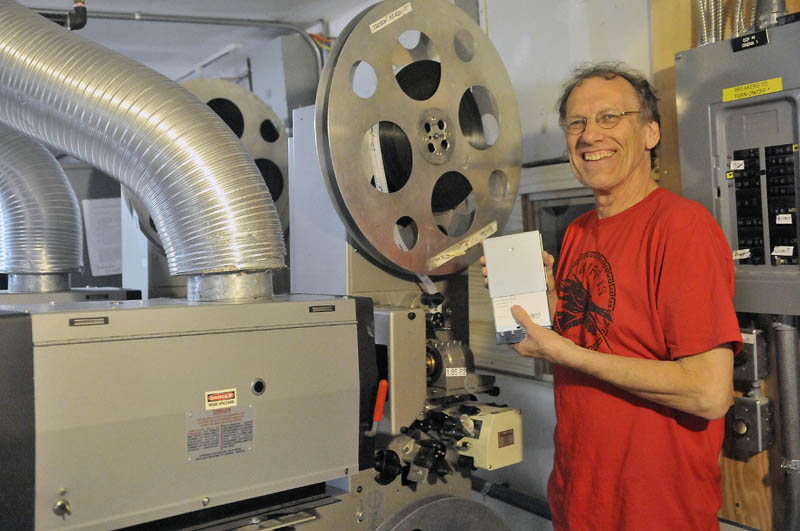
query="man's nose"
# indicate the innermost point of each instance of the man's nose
(592, 132)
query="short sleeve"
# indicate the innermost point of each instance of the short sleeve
(696, 285)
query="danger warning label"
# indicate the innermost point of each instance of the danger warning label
(219, 432)
(223, 398)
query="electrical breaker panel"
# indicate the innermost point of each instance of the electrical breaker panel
(738, 132)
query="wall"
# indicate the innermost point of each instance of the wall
(541, 41)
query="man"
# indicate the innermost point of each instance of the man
(644, 327)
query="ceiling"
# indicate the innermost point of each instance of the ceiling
(173, 48)
(300, 12)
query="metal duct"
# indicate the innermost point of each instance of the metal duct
(701, 9)
(41, 235)
(768, 12)
(205, 194)
(738, 18)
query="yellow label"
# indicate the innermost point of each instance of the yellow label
(794, 148)
(729, 175)
(768, 86)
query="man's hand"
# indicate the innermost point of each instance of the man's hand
(539, 342)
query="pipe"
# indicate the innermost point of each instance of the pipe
(768, 12)
(720, 19)
(786, 353)
(205, 194)
(38, 282)
(41, 234)
(72, 20)
(187, 19)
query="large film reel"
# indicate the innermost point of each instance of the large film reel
(418, 134)
(259, 129)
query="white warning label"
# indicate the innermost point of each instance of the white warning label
(219, 432)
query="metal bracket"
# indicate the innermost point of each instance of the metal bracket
(791, 465)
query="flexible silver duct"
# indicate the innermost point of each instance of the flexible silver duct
(41, 234)
(206, 196)
(714, 16)
(701, 9)
(738, 18)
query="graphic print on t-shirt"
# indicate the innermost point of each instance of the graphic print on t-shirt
(587, 298)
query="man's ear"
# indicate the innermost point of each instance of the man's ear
(653, 135)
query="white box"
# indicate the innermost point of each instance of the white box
(516, 276)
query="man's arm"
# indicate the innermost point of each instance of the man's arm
(701, 384)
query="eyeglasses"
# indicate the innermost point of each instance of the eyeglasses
(605, 119)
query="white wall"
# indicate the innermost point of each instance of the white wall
(541, 41)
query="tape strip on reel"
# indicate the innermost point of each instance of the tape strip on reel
(418, 135)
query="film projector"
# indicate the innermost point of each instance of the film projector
(351, 403)
(408, 160)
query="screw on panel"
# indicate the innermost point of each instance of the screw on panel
(206, 501)
(61, 508)
(359, 516)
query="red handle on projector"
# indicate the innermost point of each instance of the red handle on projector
(380, 400)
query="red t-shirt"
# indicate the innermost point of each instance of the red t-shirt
(655, 282)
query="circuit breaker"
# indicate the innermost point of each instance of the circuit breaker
(738, 131)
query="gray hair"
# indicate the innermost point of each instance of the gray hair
(643, 88)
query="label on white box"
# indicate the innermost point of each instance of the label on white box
(535, 304)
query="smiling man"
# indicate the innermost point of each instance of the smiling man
(644, 327)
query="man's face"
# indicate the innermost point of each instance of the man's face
(608, 159)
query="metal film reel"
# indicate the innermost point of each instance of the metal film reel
(445, 514)
(418, 135)
(259, 129)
